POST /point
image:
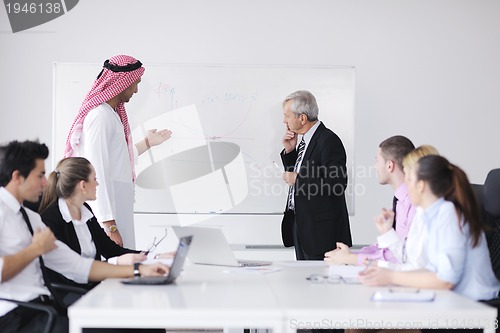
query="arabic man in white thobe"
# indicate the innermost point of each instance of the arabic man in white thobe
(101, 133)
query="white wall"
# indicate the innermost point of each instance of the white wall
(427, 69)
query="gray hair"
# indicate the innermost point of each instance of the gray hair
(303, 102)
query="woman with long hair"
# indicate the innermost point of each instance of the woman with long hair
(65, 211)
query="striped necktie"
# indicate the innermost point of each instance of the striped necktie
(291, 190)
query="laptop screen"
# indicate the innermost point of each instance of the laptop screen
(175, 269)
(180, 257)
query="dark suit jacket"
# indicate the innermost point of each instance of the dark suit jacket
(320, 207)
(65, 232)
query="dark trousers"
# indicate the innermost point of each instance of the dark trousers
(300, 254)
(22, 320)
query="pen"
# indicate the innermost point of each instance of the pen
(276, 165)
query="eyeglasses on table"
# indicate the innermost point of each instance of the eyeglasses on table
(155, 243)
(332, 279)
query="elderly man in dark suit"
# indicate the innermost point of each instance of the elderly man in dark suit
(316, 216)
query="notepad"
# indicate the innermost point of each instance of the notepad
(403, 295)
(348, 273)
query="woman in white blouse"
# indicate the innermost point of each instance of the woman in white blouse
(65, 211)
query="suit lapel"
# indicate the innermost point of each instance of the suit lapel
(314, 140)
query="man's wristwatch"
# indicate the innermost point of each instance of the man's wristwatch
(111, 228)
(137, 273)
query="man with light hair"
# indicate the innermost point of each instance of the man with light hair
(316, 216)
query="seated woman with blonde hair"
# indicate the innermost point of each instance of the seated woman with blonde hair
(65, 211)
(408, 251)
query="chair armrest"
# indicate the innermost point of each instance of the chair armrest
(493, 302)
(51, 312)
(68, 288)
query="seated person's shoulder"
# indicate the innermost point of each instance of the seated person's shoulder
(51, 215)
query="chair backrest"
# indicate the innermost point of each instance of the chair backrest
(492, 193)
(488, 196)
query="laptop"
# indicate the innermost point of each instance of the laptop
(175, 269)
(210, 247)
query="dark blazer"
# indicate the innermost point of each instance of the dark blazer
(65, 232)
(320, 207)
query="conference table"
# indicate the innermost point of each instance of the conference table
(277, 297)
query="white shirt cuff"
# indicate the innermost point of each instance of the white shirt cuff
(113, 261)
(388, 239)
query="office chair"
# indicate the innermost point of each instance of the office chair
(488, 197)
(64, 291)
(491, 213)
(49, 311)
(65, 295)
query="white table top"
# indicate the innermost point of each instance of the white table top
(210, 297)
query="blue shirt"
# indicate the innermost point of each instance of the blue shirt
(450, 254)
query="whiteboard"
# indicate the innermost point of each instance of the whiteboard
(227, 123)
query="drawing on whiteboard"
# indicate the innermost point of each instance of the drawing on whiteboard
(197, 173)
(227, 124)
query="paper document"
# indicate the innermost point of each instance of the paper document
(403, 295)
(345, 271)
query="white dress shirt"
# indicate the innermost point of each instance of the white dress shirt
(307, 138)
(87, 246)
(410, 250)
(14, 237)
